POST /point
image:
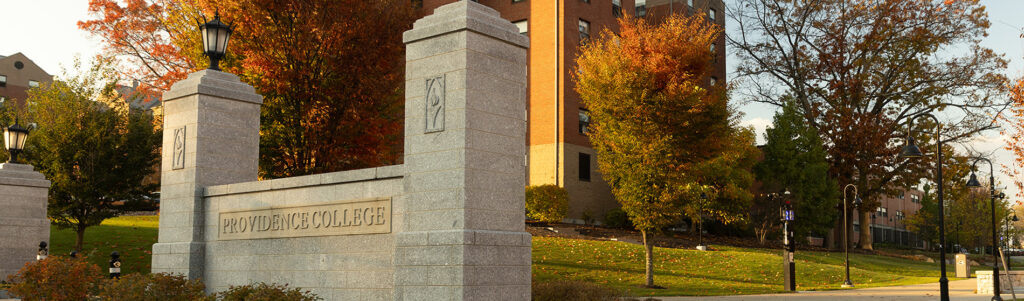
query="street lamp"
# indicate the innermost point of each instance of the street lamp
(912, 151)
(14, 140)
(789, 243)
(973, 182)
(215, 39)
(846, 232)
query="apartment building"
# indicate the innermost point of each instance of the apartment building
(559, 151)
(888, 222)
(17, 75)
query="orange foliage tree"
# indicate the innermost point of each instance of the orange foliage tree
(331, 72)
(859, 70)
(653, 122)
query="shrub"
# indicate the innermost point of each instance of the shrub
(154, 287)
(566, 290)
(55, 278)
(265, 292)
(547, 203)
(616, 218)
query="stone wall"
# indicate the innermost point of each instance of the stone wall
(448, 224)
(23, 221)
(984, 283)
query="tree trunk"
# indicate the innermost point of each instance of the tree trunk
(865, 231)
(650, 257)
(80, 231)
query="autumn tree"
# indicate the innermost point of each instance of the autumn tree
(331, 72)
(860, 70)
(653, 120)
(794, 160)
(925, 222)
(95, 157)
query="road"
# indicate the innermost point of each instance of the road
(958, 290)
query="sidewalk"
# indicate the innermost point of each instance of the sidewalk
(958, 290)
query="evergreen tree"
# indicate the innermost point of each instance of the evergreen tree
(794, 160)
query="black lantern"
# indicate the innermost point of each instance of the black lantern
(215, 39)
(973, 181)
(14, 140)
(911, 150)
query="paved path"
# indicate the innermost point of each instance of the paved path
(958, 290)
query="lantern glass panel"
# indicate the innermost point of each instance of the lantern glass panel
(222, 40)
(206, 41)
(21, 139)
(7, 139)
(211, 37)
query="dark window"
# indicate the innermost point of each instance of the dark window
(617, 8)
(3, 80)
(584, 121)
(584, 31)
(586, 1)
(711, 14)
(19, 65)
(584, 167)
(641, 10)
(515, 1)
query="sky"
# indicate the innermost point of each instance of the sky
(47, 32)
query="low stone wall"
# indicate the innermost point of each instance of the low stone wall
(307, 249)
(985, 280)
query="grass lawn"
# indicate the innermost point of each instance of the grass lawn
(727, 271)
(131, 236)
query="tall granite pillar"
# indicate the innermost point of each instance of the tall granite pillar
(211, 137)
(464, 236)
(23, 221)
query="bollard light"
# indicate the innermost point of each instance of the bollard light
(115, 265)
(215, 39)
(43, 251)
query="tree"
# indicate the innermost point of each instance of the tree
(725, 180)
(860, 70)
(925, 222)
(331, 72)
(653, 122)
(795, 160)
(94, 156)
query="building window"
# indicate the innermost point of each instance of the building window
(584, 31)
(711, 14)
(3, 80)
(714, 80)
(584, 121)
(517, 1)
(689, 3)
(524, 27)
(902, 195)
(33, 84)
(584, 167)
(641, 8)
(617, 8)
(586, 1)
(914, 198)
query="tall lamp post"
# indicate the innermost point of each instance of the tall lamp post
(700, 224)
(1006, 237)
(973, 182)
(215, 39)
(910, 150)
(14, 140)
(789, 245)
(846, 232)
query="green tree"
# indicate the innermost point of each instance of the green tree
(95, 157)
(795, 160)
(654, 122)
(925, 222)
(726, 180)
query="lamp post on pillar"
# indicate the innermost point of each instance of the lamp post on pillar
(215, 39)
(14, 140)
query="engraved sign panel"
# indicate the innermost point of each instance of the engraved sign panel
(361, 217)
(178, 156)
(435, 104)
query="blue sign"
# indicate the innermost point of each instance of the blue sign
(787, 215)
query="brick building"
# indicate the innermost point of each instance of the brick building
(18, 74)
(558, 150)
(888, 222)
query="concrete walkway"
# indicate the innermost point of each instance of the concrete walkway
(958, 290)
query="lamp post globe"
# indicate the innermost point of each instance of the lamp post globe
(215, 39)
(14, 140)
